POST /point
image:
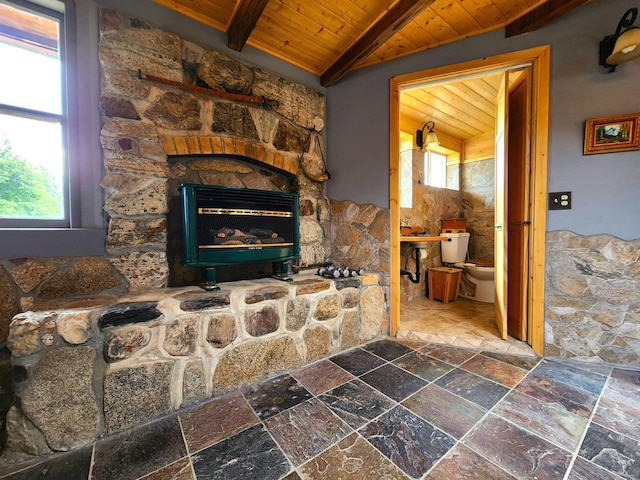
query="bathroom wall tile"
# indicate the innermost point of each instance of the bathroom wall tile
(570, 398)
(274, 396)
(251, 454)
(463, 463)
(387, 349)
(468, 385)
(449, 412)
(357, 361)
(140, 451)
(321, 376)
(422, 365)
(356, 402)
(351, 459)
(495, 438)
(394, 382)
(408, 441)
(495, 370)
(306, 430)
(216, 420)
(612, 451)
(546, 420)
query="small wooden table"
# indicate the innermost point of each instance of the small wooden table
(444, 283)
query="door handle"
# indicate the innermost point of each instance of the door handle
(498, 227)
(526, 222)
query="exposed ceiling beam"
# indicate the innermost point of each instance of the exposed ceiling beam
(243, 22)
(542, 15)
(378, 33)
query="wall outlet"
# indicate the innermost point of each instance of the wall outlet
(560, 201)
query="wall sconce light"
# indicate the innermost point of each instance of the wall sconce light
(623, 46)
(432, 138)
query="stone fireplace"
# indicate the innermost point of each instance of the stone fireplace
(125, 349)
(174, 111)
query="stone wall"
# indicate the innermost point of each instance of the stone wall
(85, 372)
(429, 206)
(360, 239)
(478, 206)
(42, 283)
(148, 129)
(274, 123)
(592, 298)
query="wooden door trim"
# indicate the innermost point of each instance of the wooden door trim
(539, 59)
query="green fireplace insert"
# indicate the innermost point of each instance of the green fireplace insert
(225, 226)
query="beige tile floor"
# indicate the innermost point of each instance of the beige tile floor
(462, 322)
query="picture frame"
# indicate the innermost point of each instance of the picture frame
(617, 133)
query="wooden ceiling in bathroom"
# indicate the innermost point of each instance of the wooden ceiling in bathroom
(329, 38)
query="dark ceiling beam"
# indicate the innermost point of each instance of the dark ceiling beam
(379, 32)
(243, 22)
(542, 15)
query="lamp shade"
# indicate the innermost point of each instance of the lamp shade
(432, 139)
(627, 47)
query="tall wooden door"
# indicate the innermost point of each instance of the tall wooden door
(500, 239)
(518, 194)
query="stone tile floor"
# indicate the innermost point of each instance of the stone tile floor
(463, 322)
(388, 410)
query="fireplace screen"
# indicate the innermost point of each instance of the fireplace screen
(224, 226)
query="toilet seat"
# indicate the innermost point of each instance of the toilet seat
(482, 263)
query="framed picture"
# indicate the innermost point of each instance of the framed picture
(618, 133)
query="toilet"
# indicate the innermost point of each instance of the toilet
(477, 281)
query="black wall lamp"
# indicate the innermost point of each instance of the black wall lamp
(624, 45)
(432, 138)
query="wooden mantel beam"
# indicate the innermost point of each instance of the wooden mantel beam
(379, 32)
(542, 15)
(243, 22)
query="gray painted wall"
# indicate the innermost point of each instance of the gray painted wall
(606, 187)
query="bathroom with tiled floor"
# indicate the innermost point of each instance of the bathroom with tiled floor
(390, 409)
(464, 323)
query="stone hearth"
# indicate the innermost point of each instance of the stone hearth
(82, 373)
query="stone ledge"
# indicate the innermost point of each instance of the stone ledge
(156, 351)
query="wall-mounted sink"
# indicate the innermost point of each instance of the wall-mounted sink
(420, 241)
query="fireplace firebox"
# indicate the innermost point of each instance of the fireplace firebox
(225, 226)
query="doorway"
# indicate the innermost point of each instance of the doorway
(538, 60)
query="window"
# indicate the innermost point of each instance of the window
(435, 169)
(406, 178)
(34, 168)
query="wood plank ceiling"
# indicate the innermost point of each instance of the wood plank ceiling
(329, 38)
